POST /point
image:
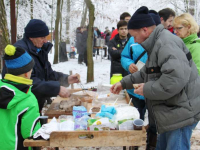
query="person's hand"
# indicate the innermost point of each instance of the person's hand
(132, 68)
(64, 92)
(114, 48)
(116, 88)
(75, 78)
(139, 89)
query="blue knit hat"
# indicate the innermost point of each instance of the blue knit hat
(36, 28)
(155, 16)
(141, 18)
(17, 60)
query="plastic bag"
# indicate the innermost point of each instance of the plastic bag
(104, 96)
(79, 111)
(126, 112)
(126, 124)
(81, 123)
(67, 125)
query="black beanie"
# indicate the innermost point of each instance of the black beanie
(141, 18)
(17, 60)
(36, 28)
(155, 16)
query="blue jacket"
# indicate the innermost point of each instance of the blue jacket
(126, 59)
(46, 82)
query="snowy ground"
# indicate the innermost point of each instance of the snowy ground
(101, 70)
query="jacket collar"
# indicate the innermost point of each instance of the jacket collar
(33, 50)
(150, 41)
(118, 39)
(190, 39)
(18, 79)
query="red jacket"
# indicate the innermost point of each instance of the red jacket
(115, 32)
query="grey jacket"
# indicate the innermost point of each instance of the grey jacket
(171, 82)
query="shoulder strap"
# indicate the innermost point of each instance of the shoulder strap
(131, 53)
(140, 57)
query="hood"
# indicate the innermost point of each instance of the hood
(12, 92)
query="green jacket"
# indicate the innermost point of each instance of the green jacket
(192, 42)
(19, 112)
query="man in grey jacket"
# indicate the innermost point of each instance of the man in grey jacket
(169, 82)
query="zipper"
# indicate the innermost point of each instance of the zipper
(151, 104)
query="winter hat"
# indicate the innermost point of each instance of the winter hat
(141, 18)
(17, 60)
(155, 16)
(36, 28)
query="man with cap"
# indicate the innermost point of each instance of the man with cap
(18, 106)
(131, 56)
(168, 81)
(46, 82)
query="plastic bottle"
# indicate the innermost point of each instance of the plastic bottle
(115, 78)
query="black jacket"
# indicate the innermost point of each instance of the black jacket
(46, 82)
(116, 66)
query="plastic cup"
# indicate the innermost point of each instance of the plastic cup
(43, 120)
(138, 124)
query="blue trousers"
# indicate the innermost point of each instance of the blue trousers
(178, 139)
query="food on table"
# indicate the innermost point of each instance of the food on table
(136, 86)
(95, 109)
(67, 105)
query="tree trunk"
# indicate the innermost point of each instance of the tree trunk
(17, 2)
(90, 68)
(57, 32)
(83, 20)
(52, 22)
(4, 34)
(31, 4)
(61, 20)
(68, 21)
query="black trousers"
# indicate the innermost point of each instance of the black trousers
(140, 105)
(80, 58)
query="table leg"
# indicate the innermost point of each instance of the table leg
(36, 148)
(133, 148)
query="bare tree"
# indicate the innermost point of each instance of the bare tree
(31, 4)
(4, 34)
(68, 21)
(90, 68)
(61, 7)
(57, 32)
(17, 3)
(83, 20)
(52, 22)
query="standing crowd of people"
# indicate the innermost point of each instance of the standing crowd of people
(167, 46)
(159, 51)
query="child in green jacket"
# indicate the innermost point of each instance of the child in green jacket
(18, 106)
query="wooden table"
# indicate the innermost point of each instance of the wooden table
(92, 138)
(55, 111)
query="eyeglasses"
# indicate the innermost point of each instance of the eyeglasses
(178, 28)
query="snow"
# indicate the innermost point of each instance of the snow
(101, 71)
